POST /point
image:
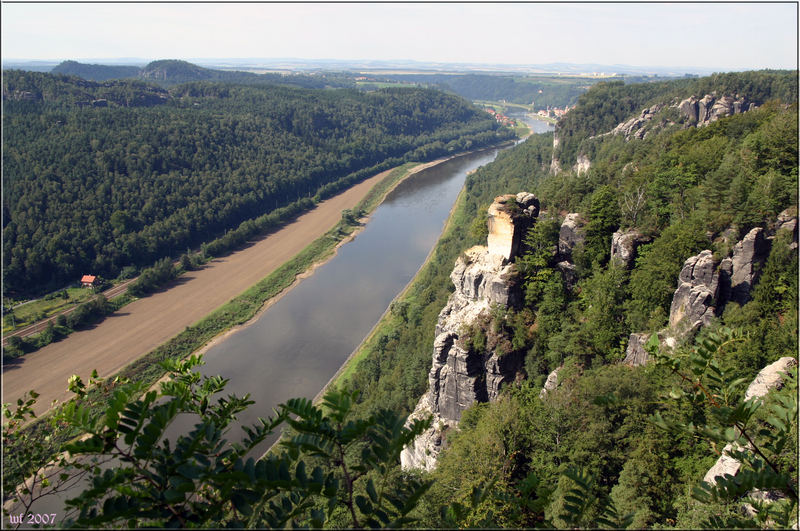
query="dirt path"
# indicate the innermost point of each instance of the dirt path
(141, 326)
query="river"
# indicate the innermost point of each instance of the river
(293, 348)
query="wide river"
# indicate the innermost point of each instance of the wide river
(294, 347)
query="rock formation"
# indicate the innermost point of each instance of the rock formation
(634, 128)
(694, 112)
(570, 235)
(694, 302)
(748, 256)
(550, 384)
(787, 220)
(767, 379)
(636, 354)
(465, 371)
(582, 164)
(624, 245)
(706, 285)
(510, 217)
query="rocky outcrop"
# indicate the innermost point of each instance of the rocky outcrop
(787, 220)
(582, 164)
(694, 302)
(550, 384)
(694, 112)
(706, 285)
(769, 378)
(624, 245)
(568, 272)
(510, 217)
(635, 127)
(571, 234)
(555, 164)
(463, 370)
(636, 354)
(424, 451)
(710, 108)
(745, 266)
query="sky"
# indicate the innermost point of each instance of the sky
(719, 36)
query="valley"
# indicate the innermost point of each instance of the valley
(583, 328)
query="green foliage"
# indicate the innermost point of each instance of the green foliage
(604, 219)
(201, 479)
(759, 444)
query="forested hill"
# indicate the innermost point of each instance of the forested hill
(94, 188)
(171, 72)
(95, 72)
(608, 104)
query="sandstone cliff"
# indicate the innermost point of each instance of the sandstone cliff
(706, 284)
(471, 363)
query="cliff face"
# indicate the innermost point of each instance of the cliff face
(706, 284)
(471, 362)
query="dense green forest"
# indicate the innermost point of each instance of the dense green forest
(737, 173)
(100, 176)
(612, 446)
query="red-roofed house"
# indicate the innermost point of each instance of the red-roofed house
(87, 281)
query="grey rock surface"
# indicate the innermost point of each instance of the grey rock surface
(767, 379)
(571, 234)
(693, 304)
(748, 257)
(550, 384)
(462, 373)
(624, 245)
(635, 354)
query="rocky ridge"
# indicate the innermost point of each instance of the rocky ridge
(464, 370)
(706, 284)
(692, 112)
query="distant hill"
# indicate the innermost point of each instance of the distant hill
(96, 72)
(171, 72)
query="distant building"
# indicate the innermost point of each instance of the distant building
(87, 281)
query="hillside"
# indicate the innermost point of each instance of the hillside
(725, 186)
(94, 72)
(101, 176)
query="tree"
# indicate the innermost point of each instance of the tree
(200, 479)
(760, 439)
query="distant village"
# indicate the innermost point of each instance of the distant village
(554, 112)
(501, 118)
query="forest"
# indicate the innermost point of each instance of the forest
(612, 446)
(99, 176)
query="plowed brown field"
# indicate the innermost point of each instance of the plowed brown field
(146, 323)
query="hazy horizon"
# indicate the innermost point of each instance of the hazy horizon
(691, 36)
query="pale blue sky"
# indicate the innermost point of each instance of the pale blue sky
(720, 36)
